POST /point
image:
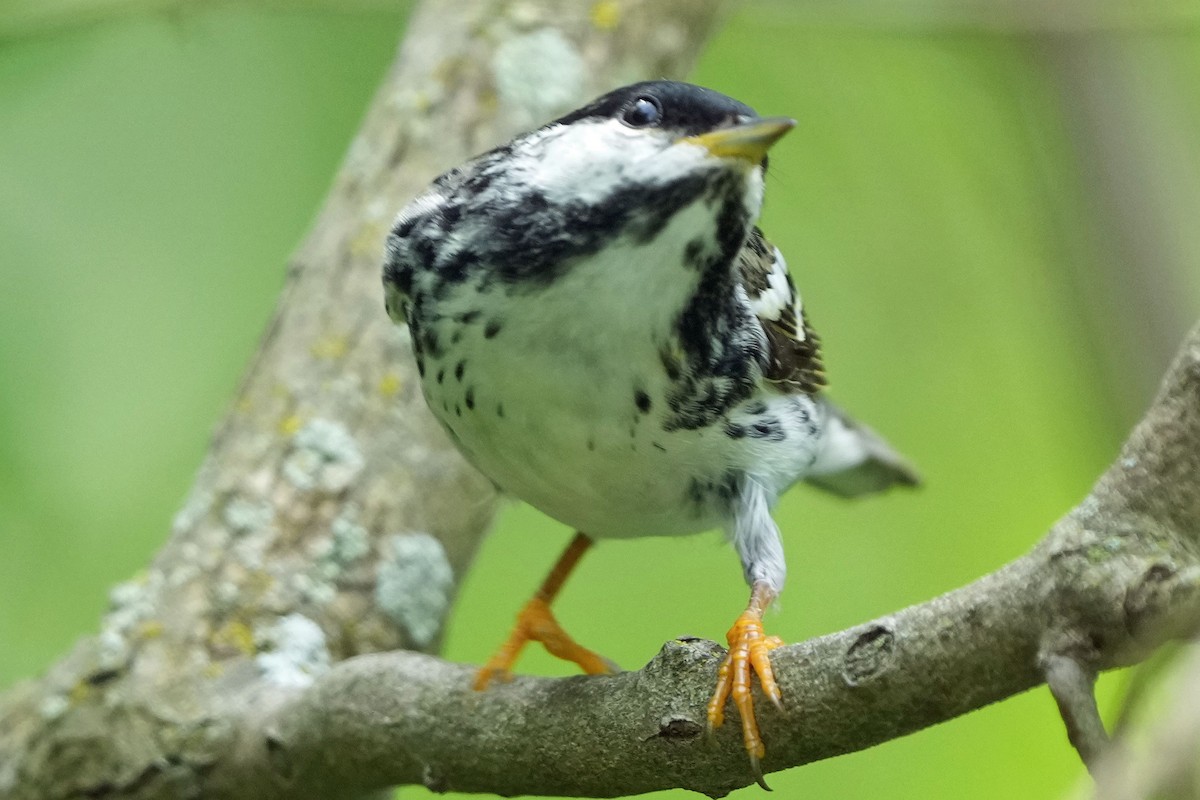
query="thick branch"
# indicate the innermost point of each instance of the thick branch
(1115, 578)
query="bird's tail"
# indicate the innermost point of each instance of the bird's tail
(855, 460)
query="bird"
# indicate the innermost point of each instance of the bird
(603, 330)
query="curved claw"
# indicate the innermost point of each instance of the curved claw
(749, 650)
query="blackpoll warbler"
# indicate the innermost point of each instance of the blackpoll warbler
(603, 332)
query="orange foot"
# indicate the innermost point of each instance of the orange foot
(536, 623)
(748, 651)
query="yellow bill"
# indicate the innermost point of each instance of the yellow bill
(748, 140)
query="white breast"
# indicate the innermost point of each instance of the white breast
(552, 406)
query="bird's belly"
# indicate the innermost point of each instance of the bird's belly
(573, 441)
(602, 491)
(587, 471)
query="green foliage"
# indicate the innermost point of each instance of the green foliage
(155, 173)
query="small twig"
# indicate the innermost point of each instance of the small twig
(1073, 687)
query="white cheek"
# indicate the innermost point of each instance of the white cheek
(680, 160)
(590, 161)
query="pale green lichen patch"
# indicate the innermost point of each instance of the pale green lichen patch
(130, 605)
(324, 457)
(244, 516)
(538, 75)
(251, 524)
(313, 590)
(113, 649)
(348, 542)
(415, 585)
(293, 651)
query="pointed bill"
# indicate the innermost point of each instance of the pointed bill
(748, 141)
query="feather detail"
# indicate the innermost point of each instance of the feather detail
(793, 348)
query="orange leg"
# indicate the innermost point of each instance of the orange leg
(748, 652)
(536, 623)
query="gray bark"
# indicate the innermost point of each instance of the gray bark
(269, 651)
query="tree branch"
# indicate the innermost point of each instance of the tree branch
(1117, 577)
(332, 519)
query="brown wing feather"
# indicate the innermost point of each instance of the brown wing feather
(793, 348)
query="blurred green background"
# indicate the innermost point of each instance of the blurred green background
(993, 223)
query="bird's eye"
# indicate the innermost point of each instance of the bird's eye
(642, 113)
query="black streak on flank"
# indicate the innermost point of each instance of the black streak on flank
(459, 369)
(470, 398)
(491, 329)
(441, 375)
(643, 401)
(721, 359)
(769, 429)
(454, 270)
(693, 253)
(500, 410)
(718, 491)
(431, 343)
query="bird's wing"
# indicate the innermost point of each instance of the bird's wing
(854, 460)
(793, 349)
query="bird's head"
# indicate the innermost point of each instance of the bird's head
(618, 172)
(637, 139)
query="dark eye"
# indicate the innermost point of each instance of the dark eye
(642, 112)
